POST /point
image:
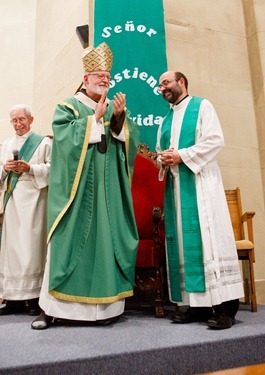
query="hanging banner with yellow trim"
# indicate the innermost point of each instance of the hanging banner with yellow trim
(134, 30)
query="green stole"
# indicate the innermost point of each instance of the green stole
(191, 234)
(25, 153)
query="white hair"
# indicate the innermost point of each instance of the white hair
(26, 108)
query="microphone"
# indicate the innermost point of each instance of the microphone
(15, 154)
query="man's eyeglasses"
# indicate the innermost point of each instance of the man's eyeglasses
(100, 76)
(19, 119)
(165, 83)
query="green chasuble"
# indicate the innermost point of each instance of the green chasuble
(191, 235)
(92, 228)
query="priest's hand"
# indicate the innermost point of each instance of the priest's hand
(101, 107)
(10, 165)
(119, 103)
(22, 167)
(17, 166)
(170, 157)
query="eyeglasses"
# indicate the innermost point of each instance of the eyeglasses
(100, 76)
(165, 83)
(19, 119)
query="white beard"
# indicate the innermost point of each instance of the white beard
(97, 89)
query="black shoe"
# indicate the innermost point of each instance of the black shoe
(193, 314)
(107, 322)
(13, 307)
(33, 307)
(221, 321)
(43, 321)
(34, 311)
(104, 322)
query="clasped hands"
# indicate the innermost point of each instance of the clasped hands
(119, 103)
(170, 157)
(17, 166)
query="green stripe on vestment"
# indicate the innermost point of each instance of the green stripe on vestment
(191, 235)
(25, 153)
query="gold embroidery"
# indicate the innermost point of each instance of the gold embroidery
(68, 105)
(98, 58)
(76, 179)
(127, 140)
(80, 299)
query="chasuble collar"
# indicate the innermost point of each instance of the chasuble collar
(86, 100)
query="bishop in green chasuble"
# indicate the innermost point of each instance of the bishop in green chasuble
(93, 239)
(91, 221)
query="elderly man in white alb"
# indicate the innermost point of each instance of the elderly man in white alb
(24, 174)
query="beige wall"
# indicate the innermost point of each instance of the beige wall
(17, 41)
(255, 31)
(254, 15)
(40, 56)
(58, 51)
(209, 41)
(219, 45)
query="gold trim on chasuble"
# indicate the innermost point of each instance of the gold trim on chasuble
(127, 141)
(68, 105)
(77, 175)
(80, 299)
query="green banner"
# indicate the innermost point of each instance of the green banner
(134, 30)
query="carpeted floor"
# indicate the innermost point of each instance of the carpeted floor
(138, 343)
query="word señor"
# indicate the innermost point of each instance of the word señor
(128, 27)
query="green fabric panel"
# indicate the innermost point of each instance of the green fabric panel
(135, 32)
(166, 131)
(172, 240)
(191, 233)
(192, 244)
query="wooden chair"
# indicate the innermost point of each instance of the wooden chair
(148, 196)
(244, 244)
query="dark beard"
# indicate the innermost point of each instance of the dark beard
(173, 97)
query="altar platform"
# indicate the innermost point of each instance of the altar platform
(139, 343)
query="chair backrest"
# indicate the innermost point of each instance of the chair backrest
(147, 191)
(233, 199)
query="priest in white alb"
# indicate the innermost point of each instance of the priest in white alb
(24, 174)
(202, 262)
